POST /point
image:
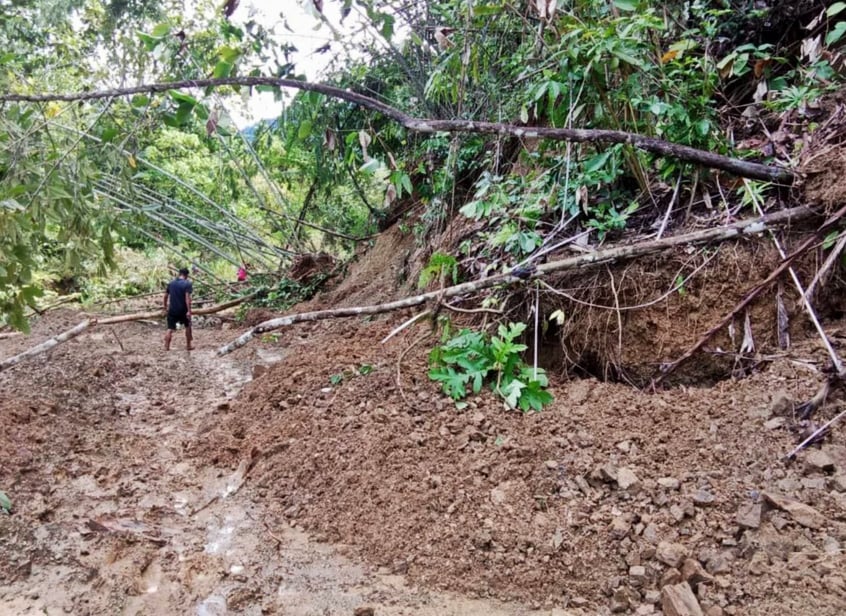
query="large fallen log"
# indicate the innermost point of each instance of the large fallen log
(47, 344)
(742, 168)
(616, 253)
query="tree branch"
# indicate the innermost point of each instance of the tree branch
(738, 229)
(742, 168)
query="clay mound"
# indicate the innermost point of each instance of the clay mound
(309, 265)
(591, 503)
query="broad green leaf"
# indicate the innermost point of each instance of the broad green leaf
(304, 130)
(835, 8)
(182, 98)
(140, 100)
(597, 162)
(836, 33)
(222, 69)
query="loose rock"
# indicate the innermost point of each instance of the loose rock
(671, 554)
(703, 498)
(749, 515)
(626, 479)
(801, 513)
(679, 600)
(819, 460)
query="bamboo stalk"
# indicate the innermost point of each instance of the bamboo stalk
(47, 344)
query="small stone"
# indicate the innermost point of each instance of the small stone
(551, 465)
(679, 600)
(624, 599)
(818, 460)
(624, 446)
(838, 482)
(606, 473)
(626, 479)
(677, 512)
(831, 546)
(670, 483)
(637, 573)
(671, 554)
(749, 515)
(759, 563)
(650, 533)
(703, 498)
(719, 563)
(644, 610)
(788, 484)
(652, 596)
(775, 423)
(813, 483)
(258, 370)
(364, 611)
(620, 527)
(714, 610)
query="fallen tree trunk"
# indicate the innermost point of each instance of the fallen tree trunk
(157, 314)
(742, 168)
(743, 227)
(138, 316)
(47, 344)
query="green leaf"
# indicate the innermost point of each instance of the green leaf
(140, 100)
(626, 5)
(160, 30)
(304, 130)
(222, 69)
(230, 54)
(835, 8)
(182, 98)
(595, 163)
(836, 33)
(405, 180)
(487, 9)
(5, 502)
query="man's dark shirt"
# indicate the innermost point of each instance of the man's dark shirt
(176, 290)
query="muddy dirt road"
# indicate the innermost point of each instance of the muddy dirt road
(114, 514)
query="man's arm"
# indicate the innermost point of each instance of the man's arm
(166, 297)
(188, 301)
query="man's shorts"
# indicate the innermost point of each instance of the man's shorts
(173, 319)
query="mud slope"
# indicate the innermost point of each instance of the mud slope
(599, 502)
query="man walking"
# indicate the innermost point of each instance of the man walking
(178, 295)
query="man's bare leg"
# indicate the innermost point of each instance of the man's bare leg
(168, 336)
(189, 338)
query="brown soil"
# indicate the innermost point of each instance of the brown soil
(295, 477)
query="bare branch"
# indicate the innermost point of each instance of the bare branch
(742, 168)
